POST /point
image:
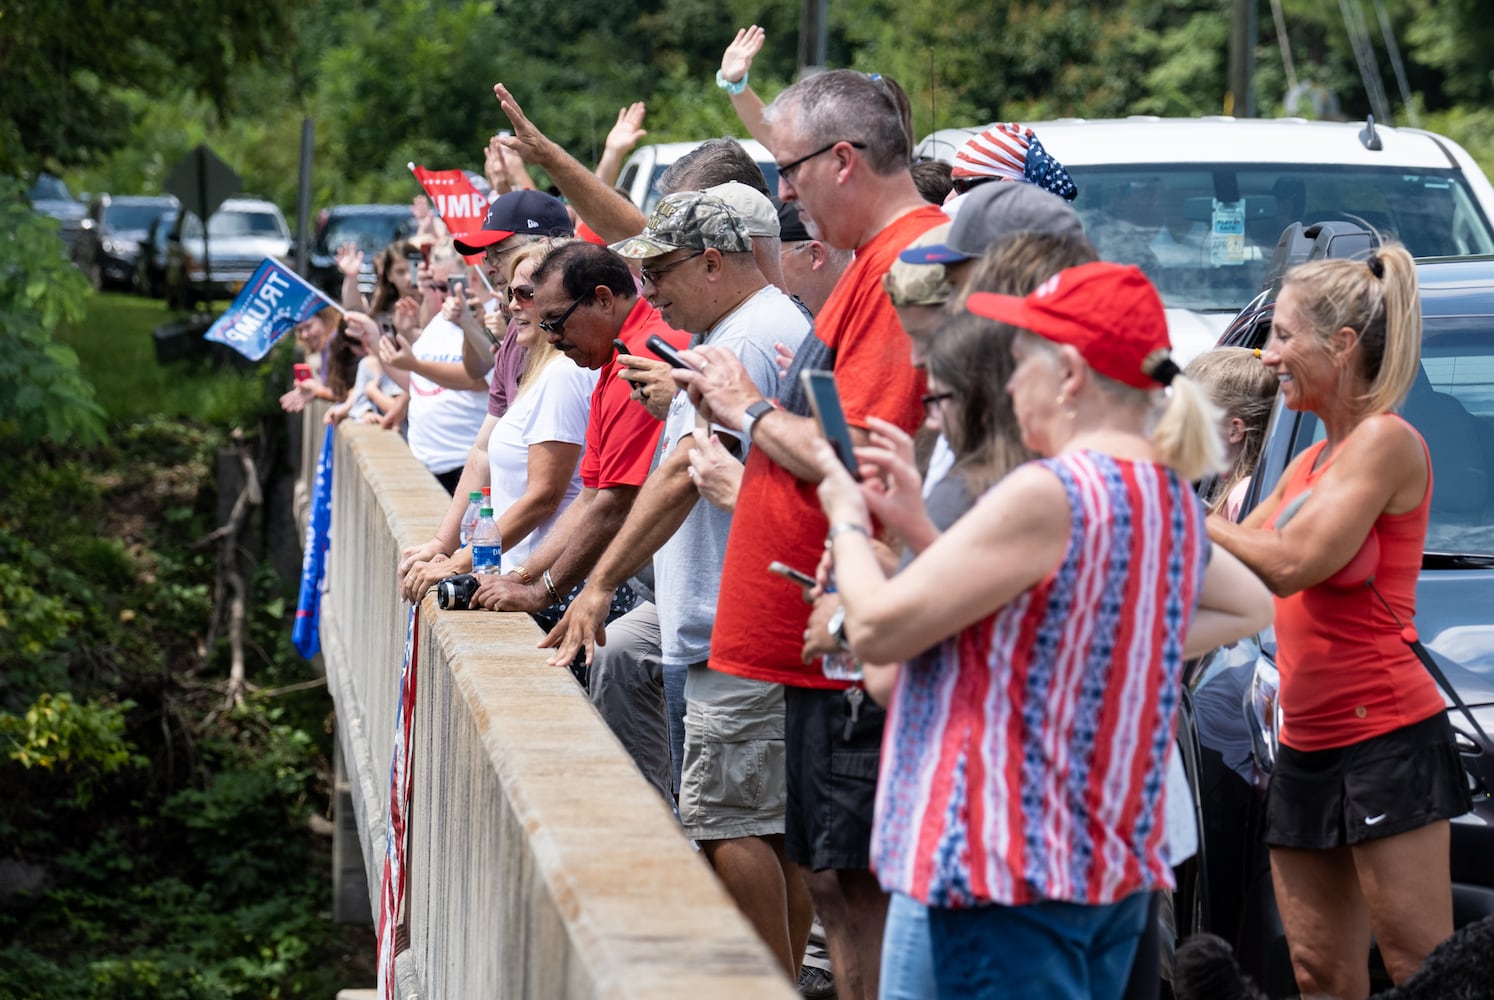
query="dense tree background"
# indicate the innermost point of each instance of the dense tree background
(113, 94)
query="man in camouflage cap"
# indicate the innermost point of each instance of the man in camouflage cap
(698, 270)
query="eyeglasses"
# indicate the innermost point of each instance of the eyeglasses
(932, 400)
(556, 327)
(525, 292)
(653, 274)
(786, 170)
(964, 184)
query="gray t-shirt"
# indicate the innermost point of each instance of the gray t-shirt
(687, 568)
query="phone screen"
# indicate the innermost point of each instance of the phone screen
(386, 329)
(824, 400)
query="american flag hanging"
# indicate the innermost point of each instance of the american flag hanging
(392, 889)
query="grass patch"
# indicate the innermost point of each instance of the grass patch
(117, 354)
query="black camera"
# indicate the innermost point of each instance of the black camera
(455, 593)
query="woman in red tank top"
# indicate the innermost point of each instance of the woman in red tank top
(1367, 775)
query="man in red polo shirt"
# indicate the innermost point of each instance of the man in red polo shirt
(586, 298)
(843, 152)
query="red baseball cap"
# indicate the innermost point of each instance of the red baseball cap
(1109, 312)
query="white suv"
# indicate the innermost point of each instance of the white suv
(1199, 203)
(641, 171)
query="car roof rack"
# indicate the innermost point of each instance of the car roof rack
(1332, 239)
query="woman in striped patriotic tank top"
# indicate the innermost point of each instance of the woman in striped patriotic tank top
(1026, 749)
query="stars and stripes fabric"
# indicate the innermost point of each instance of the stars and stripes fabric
(1010, 152)
(396, 841)
(1026, 757)
(306, 631)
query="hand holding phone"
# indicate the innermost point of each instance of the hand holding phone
(456, 287)
(789, 573)
(661, 347)
(824, 400)
(303, 372)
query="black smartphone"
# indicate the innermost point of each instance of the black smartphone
(386, 329)
(824, 400)
(621, 347)
(456, 287)
(661, 347)
(789, 573)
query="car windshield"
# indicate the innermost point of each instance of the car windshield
(48, 188)
(1204, 233)
(371, 232)
(230, 223)
(132, 216)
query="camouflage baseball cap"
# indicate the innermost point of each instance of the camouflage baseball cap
(695, 219)
(920, 284)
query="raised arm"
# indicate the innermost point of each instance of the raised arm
(620, 142)
(612, 216)
(735, 62)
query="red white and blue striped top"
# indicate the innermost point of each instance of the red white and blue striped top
(1025, 757)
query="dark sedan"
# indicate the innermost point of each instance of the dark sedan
(110, 235)
(1230, 716)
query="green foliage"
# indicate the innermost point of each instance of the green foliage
(84, 740)
(41, 392)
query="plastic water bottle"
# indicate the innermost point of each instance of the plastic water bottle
(469, 519)
(487, 547)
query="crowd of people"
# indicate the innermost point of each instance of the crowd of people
(1015, 560)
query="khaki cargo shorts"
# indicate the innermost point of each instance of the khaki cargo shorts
(733, 783)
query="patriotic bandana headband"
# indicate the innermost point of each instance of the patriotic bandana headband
(1010, 152)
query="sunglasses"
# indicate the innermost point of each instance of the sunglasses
(963, 184)
(653, 274)
(524, 292)
(556, 327)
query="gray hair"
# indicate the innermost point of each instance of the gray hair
(843, 104)
(713, 162)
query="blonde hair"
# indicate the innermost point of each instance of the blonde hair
(544, 352)
(1243, 387)
(1183, 425)
(1378, 299)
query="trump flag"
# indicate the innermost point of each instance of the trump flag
(269, 304)
(460, 198)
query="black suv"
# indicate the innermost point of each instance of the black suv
(1229, 718)
(370, 227)
(110, 235)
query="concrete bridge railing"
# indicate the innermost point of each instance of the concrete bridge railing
(540, 862)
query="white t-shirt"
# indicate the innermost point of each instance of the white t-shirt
(443, 422)
(555, 407)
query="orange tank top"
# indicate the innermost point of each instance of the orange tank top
(1346, 674)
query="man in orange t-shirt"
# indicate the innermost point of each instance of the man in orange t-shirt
(843, 152)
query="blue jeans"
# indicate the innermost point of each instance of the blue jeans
(907, 954)
(1043, 951)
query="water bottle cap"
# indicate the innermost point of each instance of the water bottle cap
(475, 495)
(485, 512)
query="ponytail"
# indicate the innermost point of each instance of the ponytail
(1186, 436)
(1378, 299)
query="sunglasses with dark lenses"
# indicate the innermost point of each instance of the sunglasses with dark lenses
(556, 327)
(524, 292)
(964, 184)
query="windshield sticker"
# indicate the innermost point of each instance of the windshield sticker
(1227, 240)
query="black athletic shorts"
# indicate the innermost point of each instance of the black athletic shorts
(832, 779)
(1376, 788)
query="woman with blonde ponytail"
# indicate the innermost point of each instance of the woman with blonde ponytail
(1367, 775)
(1020, 791)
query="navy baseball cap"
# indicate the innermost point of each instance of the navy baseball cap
(526, 213)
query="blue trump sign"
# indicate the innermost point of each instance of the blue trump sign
(269, 304)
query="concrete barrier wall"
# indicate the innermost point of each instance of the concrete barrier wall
(541, 864)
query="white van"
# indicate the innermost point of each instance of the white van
(1199, 203)
(642, 169)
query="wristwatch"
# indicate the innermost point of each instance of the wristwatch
(754, 411)
(836, 626)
